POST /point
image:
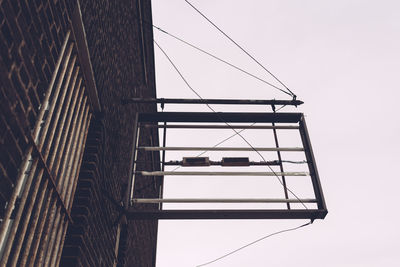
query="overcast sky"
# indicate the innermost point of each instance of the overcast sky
(342, 58)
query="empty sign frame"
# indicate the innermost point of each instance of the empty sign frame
(234, 121)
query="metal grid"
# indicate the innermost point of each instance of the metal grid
(38, 212)
(166, 120)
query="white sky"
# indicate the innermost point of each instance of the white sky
(342, 58)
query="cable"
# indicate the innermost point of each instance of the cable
(220, 59)
(222, 120)
(280, 108)
(215, 57)
(241, 48)
(252, 243)
(295, 162)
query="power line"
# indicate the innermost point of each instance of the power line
(222, 120)
(219, 59)
(240, 47)
(252, 243)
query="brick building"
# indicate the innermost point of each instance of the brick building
(65, 137)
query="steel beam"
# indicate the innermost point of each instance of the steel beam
(220, 117)
(175, 148)
(214, 101)
(312, 164)
(211, 173)
(312, 214)
(221, 200)
(213, 126)
(219, 163)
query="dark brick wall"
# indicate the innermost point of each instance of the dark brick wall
(31, 35)
(122, 58)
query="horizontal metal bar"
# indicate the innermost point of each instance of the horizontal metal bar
(220, 117)
(213, 126)
(175, 148)
(221, 200)
(214, 101)
(219, 163)
(134, 214)
(172, 173)
(49, 176)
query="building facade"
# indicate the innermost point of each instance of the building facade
(66, 136)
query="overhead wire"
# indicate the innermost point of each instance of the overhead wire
(220, 59)
(236, 132)
(213, 56)
(254, 242)
(240, 47)
(222, 120)
(219, 143)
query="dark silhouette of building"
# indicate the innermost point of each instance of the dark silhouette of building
(65, 136)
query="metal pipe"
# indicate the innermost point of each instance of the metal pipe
(161, 193)
(72, 110)
(44, 234)
(58, 244)
(132, 186)
(57, 228)
(53, 110)
(4, 227)
(312, 165)
(52, 105)
(219, 163)
(48, 236)
(77, 158)
(34, 223)
(53, 236)
(214, 101)
(134, 214)
(220, 200)
(132, 162)
(172, 173)
(78, 161)
(33, 251)
(33, 195)
(218, 117)
(58, 222)
(23, 224)
(57, 110)
(213, 126)
(19, 216)
(52, 183)
(58, 257)
(70, 145)
(68, 103)
(285, 190)
(286, 149)
(74, 154)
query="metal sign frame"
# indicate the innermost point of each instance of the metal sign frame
(227, 117)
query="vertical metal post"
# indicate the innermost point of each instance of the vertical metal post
(161, 194)
(281, 165)
(311, 164)
(280, 159)
(131, 178)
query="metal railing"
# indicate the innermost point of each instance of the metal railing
(38, 212)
